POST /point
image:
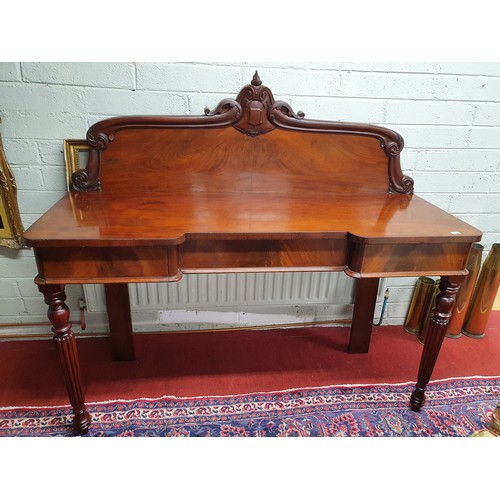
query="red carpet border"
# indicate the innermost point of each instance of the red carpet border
(454, 407)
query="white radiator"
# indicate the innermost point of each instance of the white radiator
(235, 289)
(200, 301)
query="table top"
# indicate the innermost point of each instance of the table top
(113, 219)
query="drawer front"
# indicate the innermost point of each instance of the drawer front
(417, 259)
(247, 255)
(107, 265)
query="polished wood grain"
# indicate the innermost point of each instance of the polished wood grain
(407, 259)
(107, 264)
(158, 218)
(247, 255)
(249, 186)
(225, 161)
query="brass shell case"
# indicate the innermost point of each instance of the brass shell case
(465, 293)
(415, 319)
(484, 295)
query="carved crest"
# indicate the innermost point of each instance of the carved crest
(256, 101)
(257, 108)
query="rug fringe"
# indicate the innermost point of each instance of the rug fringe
(257, 393)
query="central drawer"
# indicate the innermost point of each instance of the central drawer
(246, 255)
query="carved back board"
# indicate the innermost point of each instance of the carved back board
(251, 143)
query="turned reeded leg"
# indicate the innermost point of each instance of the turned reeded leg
(436, 331)
(58, 315)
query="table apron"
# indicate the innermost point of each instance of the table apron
(167, 263)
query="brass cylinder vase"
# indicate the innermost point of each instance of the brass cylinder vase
(465, 293)
(424, 289)
(484, 295)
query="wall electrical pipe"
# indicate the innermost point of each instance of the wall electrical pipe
(384, 305)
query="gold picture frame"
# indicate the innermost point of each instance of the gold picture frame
(74, 149)
(11, 227)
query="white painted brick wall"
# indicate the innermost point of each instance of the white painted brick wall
(188, 77)
(97, 74)
(10, 72)
(448, 114)
(354, 110)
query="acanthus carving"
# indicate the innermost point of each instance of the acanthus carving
(285, 108)
(223, 107)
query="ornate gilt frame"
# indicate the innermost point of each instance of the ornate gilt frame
(11, 227)
(72, 150)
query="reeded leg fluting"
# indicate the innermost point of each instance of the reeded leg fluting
(436, 331)
(58, 315)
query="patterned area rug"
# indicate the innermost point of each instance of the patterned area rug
(454, 407)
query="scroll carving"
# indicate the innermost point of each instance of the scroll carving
(398, 183)
(224, 106)
(404, 185)
(89, 179)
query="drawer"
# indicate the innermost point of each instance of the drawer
(415, 259)
(255, 255)
(107, 264)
